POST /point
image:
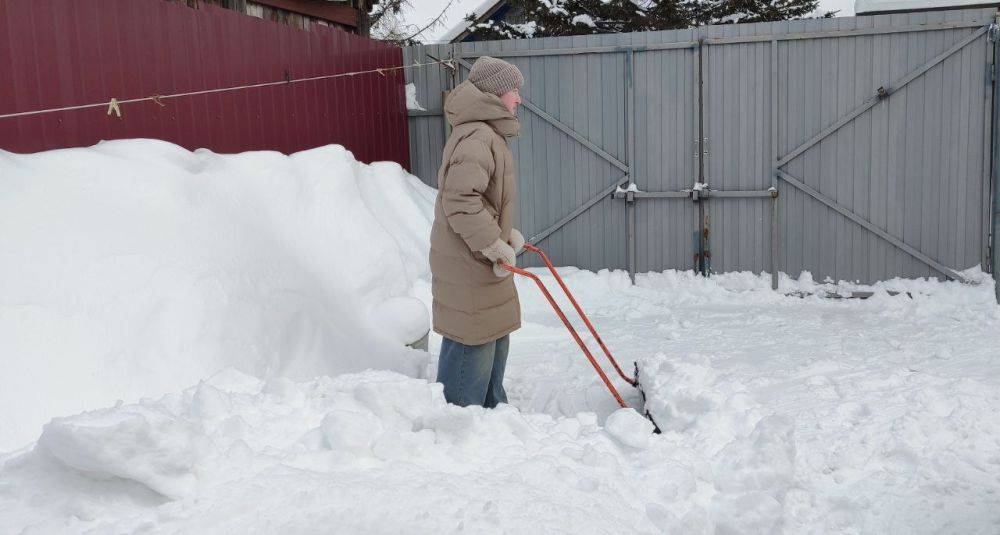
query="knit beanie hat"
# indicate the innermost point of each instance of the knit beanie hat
(496, 76)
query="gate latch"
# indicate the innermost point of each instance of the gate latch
(699, 191)
(627, 193)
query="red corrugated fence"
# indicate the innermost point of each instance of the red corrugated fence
(57, 53)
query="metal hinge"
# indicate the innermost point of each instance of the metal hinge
(700, 148)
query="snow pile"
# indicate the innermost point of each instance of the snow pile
(629, 428)
(752, 456)
(584, 19)
(143, 444)
(688, 397)
(136, 268)
(240, 455)
(632, 187)
(411, 98)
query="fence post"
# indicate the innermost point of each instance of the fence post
(776, 150)
(995, 166)
(630, 156)
(702, 264)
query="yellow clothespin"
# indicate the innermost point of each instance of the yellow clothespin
(156, 99)
(380, 71)
(113, 107)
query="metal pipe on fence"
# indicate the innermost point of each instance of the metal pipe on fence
(630, 158)
(700, 266)
(775, 151)
(995, 169)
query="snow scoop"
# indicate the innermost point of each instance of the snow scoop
(634, 381)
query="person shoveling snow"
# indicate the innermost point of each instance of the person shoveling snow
(474, 244)
(475, 302)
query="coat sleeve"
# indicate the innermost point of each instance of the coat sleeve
(466, 180)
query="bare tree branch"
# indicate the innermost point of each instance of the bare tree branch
(432, 23)
(387, 7)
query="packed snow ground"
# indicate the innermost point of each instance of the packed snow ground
(780, 414)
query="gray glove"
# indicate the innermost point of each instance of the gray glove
(498, 252)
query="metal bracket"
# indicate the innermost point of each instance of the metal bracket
(700, 147)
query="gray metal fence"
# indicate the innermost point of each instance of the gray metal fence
(854, 148)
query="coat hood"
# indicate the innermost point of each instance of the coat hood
(467, 104)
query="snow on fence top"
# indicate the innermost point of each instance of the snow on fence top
(871, 7)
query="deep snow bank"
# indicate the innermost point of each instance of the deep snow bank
(134, 268)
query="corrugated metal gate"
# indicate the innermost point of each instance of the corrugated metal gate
(855, 148)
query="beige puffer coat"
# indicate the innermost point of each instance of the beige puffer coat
(476, 204)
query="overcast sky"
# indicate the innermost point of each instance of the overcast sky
(422, 11)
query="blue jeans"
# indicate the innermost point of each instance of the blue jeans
(473, 375)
